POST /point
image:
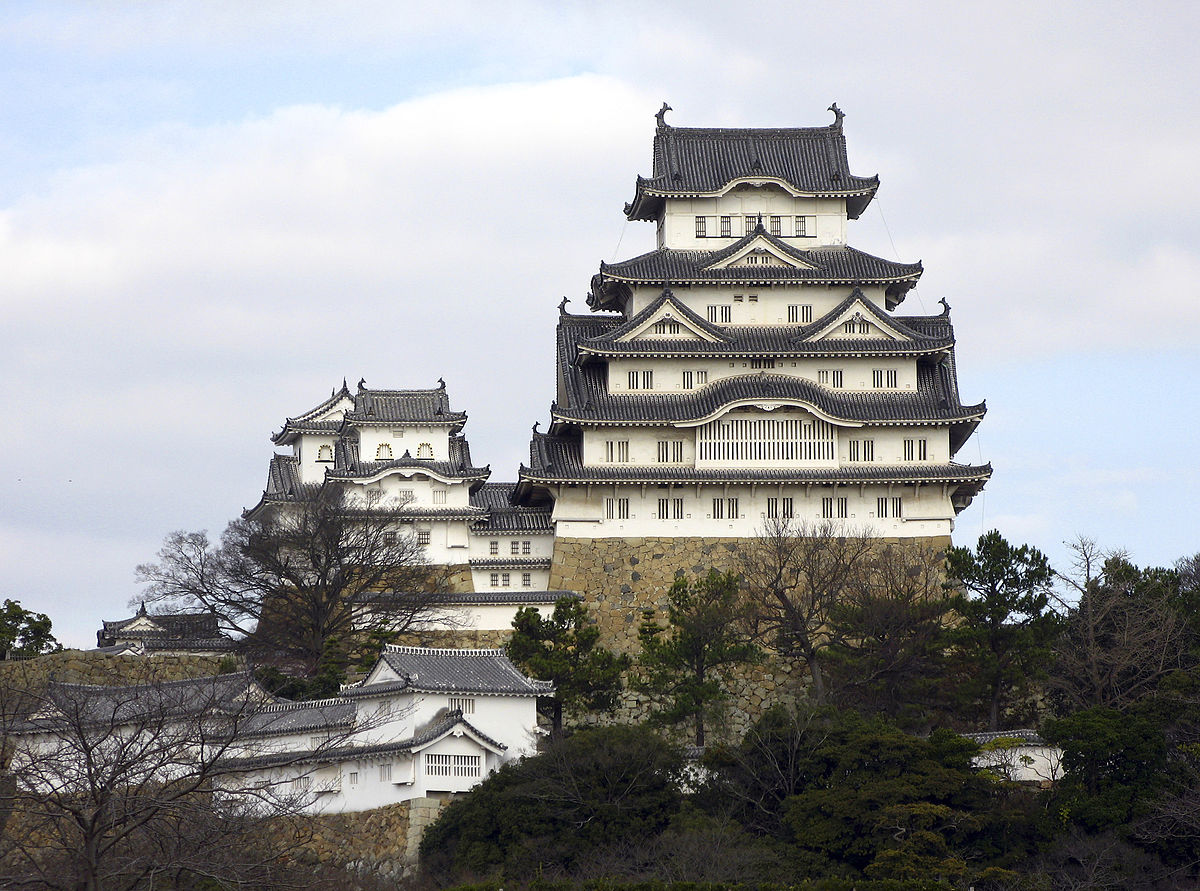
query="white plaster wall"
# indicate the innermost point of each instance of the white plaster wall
(307, 447)
(769, 309)
(403, 439)
(490, 616)
(668, 372)
(481, 579)
(539, 546)
(826, 225)
(579, 511)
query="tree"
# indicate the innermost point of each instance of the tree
(24, 633)
(1126, 633)
(564, 648)
(795, 572)
(1007, 626)
(889, 638)
(597, 788)
(687, 664)
(302, 583)
(135, 785)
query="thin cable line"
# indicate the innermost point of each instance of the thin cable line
(896, 253)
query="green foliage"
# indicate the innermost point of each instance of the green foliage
(1007, 625)
(889, 633)
(686, 665)
(564, 648)
(24, 633)
(1113, 761)
(596, 788)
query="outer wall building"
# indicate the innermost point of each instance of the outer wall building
(753, 366)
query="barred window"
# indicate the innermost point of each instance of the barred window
(424, 450)
(916, 449)
(462, 704)
(453, 765)
(726, 227)
(526, 546)
(495, 580)
(688, 381)
(826, 508)
(325, 452)
(801, 226)
(439, 496)
(383, 451)
(515, 547)
(789, 508)
(701, 227)
(776, 226)
(762, 363)
(493, 547)
(860, 450)
(772, 508)
(666, 326)
(616, 451)
(527, 580)
(677, 508)
(385, 773)
(422, 536)
(720, 313)
(505, 579)
(843, 508)
(765, 440)
(616, 508)
(752, 222)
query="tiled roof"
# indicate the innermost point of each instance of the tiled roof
(558, 458)
(300, 717)
(158, 701)
(283, 481)
(465, 671)
(824, 265)
(177, 625)
(433, 732)
(690, 161)
(775, 341)
(510, 562)
(407, 406)
(362, 469)
(1028, 736)
(513, 596)
(929, 403)
(308, 421)
(503, 518)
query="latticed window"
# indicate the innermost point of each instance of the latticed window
(616, 508)
(762, 363)
(527, 580)
(465, 705)
(776, 226)
(701, 227)
(425, 450)
(666, 326)
(881, 377)
(725, 509)
(860, 450)
(801, 226)
(493, 547)
(766, 440)
(526, 546)
(325, 452)
(383, 451)
(726, 227)
(453, 765)
(916, 449)
(439, 496)
(422, 537)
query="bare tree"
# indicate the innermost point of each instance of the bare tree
(302, 578)
(136, 786)
(795, 572)
(1123, 634)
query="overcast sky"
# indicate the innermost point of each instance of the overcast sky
(211, 213)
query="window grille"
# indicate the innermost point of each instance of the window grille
(701, 378)
(453, 765)
(526, 546)
(789, 508)
(526, 580)
(616, 508)
(383, 451)
(493, 547)
(762, 363)
(772, 508)
(462, 704)
(751, 223)
(776, 226)
(353, 777)
(826, 508)
(647, 380)
(505, 579)
(725, 509)
(666, 326)
(677, 508)
(495, 580)
(860, 450)
(766, 439)
(325, 453)
(843, 508)
(439, 496)
(422, 537)
(424, 450)
(515, 547)
(385, 773)
(801, 226)
(664, 508)
(688, 381)
(701, 227)
(881, 508)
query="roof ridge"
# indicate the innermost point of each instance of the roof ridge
(428, 651)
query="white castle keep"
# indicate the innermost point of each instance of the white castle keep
(752, 367)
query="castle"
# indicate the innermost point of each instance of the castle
(752, 367)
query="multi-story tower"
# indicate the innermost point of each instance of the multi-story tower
(404, 450)
(751, 367)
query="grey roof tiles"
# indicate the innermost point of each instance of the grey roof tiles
(691, 160)
(465, 671)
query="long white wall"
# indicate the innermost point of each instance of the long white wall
(826, 218)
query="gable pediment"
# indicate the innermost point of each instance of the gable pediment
(667, 322)
(142, 623)
(758, 253)
(857, 319)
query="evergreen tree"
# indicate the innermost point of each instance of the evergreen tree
(1007, 626)
(24, 633)
(564, 649)
(686, 665)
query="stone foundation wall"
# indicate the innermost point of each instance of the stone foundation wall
(621, 577)
(456, 638)
(87, 667)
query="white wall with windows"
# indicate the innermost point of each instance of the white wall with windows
(729, 217)
(391, 442)
(679, 375)
(771, 304)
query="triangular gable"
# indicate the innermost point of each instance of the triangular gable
(461, 728)
(857, 318)
(142, 623)
(666, 319)
(759, 251)
(665, 308)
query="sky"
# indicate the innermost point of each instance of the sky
(213, 212)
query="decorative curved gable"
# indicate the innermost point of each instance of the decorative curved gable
(665, 319)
